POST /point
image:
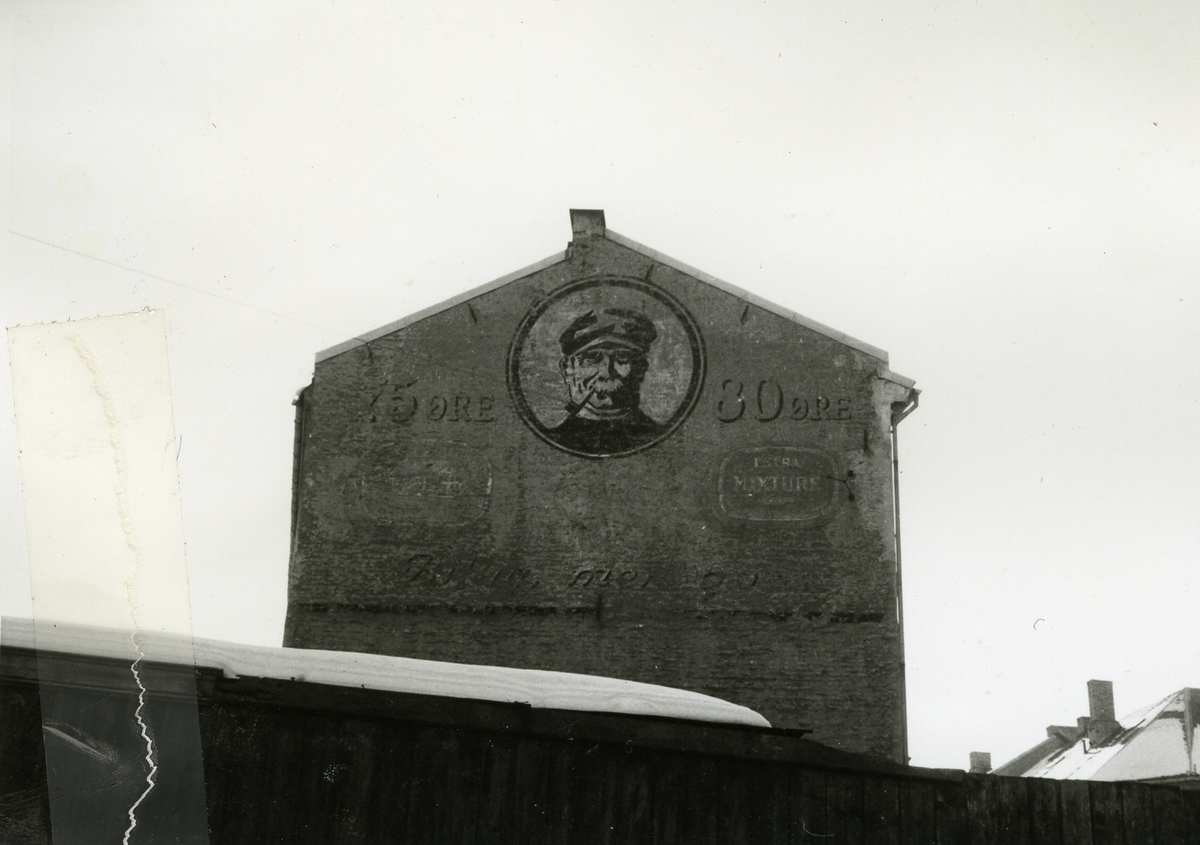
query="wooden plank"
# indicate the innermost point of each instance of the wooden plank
(997, 810)
(610, 762)
(770, 797)
(1137, 811)
(809, 821)
(446, 792)
(634, 823)
(297, 755)
(918, 812)
(702, 807)
(734, 822)
(494, 820)
(670, 797)
(235, 816)
(455, 773)
(425, 806)
(844, 808)
(587, 793)
(982, 825)
(592, 798)
(1189, 802)
(951, 808)
(1045, 812)
(1075, 799)
(881, 811)
(530, 791)
(392, 762)
(1009, 798)
(460, 768)
(1170, 826)
(352, 778)
(1107, 824)
(563, 759)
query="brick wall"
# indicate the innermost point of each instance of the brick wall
(743, 548)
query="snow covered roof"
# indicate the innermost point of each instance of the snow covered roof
(1154, 743)
(536, 688)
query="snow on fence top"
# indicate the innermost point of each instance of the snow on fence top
(535, 687)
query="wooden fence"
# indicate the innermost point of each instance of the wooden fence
(291, 762)
(368, 781)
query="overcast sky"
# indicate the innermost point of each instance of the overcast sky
(1005, 196)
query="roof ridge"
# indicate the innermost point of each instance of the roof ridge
(445, 305)
(662, 258)
(765, 304)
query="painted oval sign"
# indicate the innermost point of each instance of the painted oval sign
(434, 483)
(605, 367)
(778, 483)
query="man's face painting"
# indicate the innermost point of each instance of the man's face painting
(606, 379)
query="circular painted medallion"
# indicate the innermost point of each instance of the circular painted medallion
(606, 367)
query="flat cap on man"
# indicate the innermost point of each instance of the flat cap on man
(611, 328)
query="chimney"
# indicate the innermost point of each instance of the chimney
(1102, 724)
(1065, 734)
(587, 223)
(1100, 700)
(981, 762)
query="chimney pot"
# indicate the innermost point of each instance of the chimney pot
(981, 762)
(587, 223)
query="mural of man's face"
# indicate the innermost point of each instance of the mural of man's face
(604, 380)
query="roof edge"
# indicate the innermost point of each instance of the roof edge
(1026, 760)
(903, 381)
(374, 334)
(841, 337)
(821, 328)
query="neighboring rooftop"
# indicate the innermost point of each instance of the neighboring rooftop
(1155, 743)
